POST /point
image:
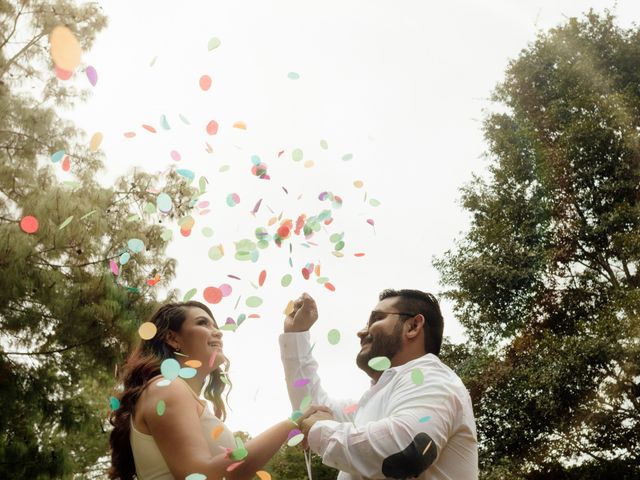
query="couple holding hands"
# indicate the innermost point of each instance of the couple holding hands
(415, 421)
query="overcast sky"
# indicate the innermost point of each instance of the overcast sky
(399, 85)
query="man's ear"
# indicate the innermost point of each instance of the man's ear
(416, 325)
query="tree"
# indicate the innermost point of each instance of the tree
(546, 280)
(66, 318)
(289, 463)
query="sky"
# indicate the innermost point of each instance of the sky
(397, 90)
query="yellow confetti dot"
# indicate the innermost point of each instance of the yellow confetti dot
(240, 125)
(147, 331)
(358, 184)
(289, 308)
(65, 49)
(309, 164)
(193, 363)
(96, 140)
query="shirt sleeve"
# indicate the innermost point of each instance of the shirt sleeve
(299, 365)
(402, 444)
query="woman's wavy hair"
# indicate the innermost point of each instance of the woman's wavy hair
(142, 365)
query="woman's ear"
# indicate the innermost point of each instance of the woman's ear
(416, 325)
(171, 340)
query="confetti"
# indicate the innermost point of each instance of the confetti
(29, 224)
(160, 408)
(226, 289)
(193, 363)
(296, 155)
(329, 286)
(214, 43)
(130, 134)
(114, 403)
(305, 403)
(147, 331)
(124, 258)
(205, 82)
(217, 431)
(262, 475)
(347, 157)
(295, 437)
(349, 409)
(62, 74)
(417, 376)
(233, 466)
(379, 363)
(170, 368)
(286, 280)
(233, 199)
(262, 277)
(164, 123)
(333, 336)
(65, 48)
(288, 310)
(189, 295)
(324, 145)
(293, 76)
(96, 141)
(212, 295)
(374, 203)
(114, 267)
(212, 358)
(358, 184)
(253, 302)
(425, 419)
(149, 128)
(212, 127)
(164, 203)
(301, 382)
(196, 476)
(175, 155)
(216, 252)
(57, 156)
(188, 372)
(92, 75)
(65, 223)
(240, 125)
(184, 119)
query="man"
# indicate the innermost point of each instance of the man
(416, 420)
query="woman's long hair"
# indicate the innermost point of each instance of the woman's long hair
(142, 365)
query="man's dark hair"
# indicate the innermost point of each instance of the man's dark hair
(416, 301)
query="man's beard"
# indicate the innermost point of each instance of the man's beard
(380, 346)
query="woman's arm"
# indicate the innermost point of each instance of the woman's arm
(179, 437)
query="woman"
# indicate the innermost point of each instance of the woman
(162, 428)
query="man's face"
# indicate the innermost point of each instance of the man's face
(383, 335)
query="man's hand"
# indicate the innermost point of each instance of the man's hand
(312, 415)
(303, 316)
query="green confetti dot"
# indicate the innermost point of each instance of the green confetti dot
(286, 280)
(160, 408)
(306, 402)
(339, 246)
(253, 302)
(65, 223)
(323, 144)
(347, 156)
(333, 336)
(293, 75)
(379, 363)
(196, 476)
(224, 168)
(114, 403)
(135, 245)
(189, 295)
(213, 43)
(425, 419)
(297, 155)
(149, 208)
(207, 232)
(166, 235)
(239, 454)
(184, 119)
(374, 203)
(296, 415)
(295, 440)
(216, 253)
(417, 376)
(336, 237)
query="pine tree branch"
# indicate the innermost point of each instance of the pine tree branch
(15, 24)
(51, 352)
(22, 50)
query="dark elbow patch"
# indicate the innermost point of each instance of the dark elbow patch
(413, 460)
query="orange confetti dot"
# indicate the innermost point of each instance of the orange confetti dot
(149, 128)
(185, 232)
(358, 184)
(193, 363)
(329, 286)
(240, 125)
(272, 221)
(309, 164)
(358, 254)
(262, 278)
(62, 74)
(262, 475)
(212, 295)
(65, 48)
(217, 431)
(130, 134)
(317, 270)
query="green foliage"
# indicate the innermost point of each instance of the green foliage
(546, 281)
(65, 319)
(289, 463)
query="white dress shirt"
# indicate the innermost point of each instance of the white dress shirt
(398, 429)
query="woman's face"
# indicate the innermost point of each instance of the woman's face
(200, 339)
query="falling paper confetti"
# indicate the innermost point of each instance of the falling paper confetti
(205, 82)
(96, 141)
(65, 223)
(333, 336)
(160, 408)
(379, 363)
(293, 76)
(65, 48)
(170, 368)
(189, 295)
(213, 43)
(212, 295)
(29, 224)
(147, 331)
(417, 376)
(212, 127)
(253, 302)
(92, 75)
(301, 382)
